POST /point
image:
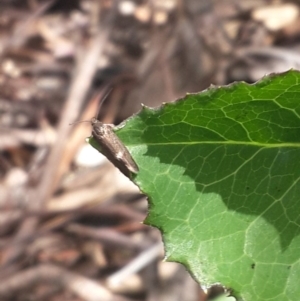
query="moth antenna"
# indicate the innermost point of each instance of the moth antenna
(104, 98)
(106, 95)
(101, 102)
(79, 122)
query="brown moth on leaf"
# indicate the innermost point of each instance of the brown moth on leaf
(113, 148)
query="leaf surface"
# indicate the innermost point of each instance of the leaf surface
(222, 172)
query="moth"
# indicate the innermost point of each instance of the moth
(110, 144)
(113, 148)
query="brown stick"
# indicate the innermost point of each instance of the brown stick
(105, 235)
(83, 287)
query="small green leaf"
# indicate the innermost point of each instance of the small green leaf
(222, 172)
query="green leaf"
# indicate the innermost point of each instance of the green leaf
(221, 169)
(224, 298)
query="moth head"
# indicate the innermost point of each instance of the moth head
(94, 121)
(99, 129)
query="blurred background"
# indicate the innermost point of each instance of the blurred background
(70, 223)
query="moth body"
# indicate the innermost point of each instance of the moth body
(112, 147)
